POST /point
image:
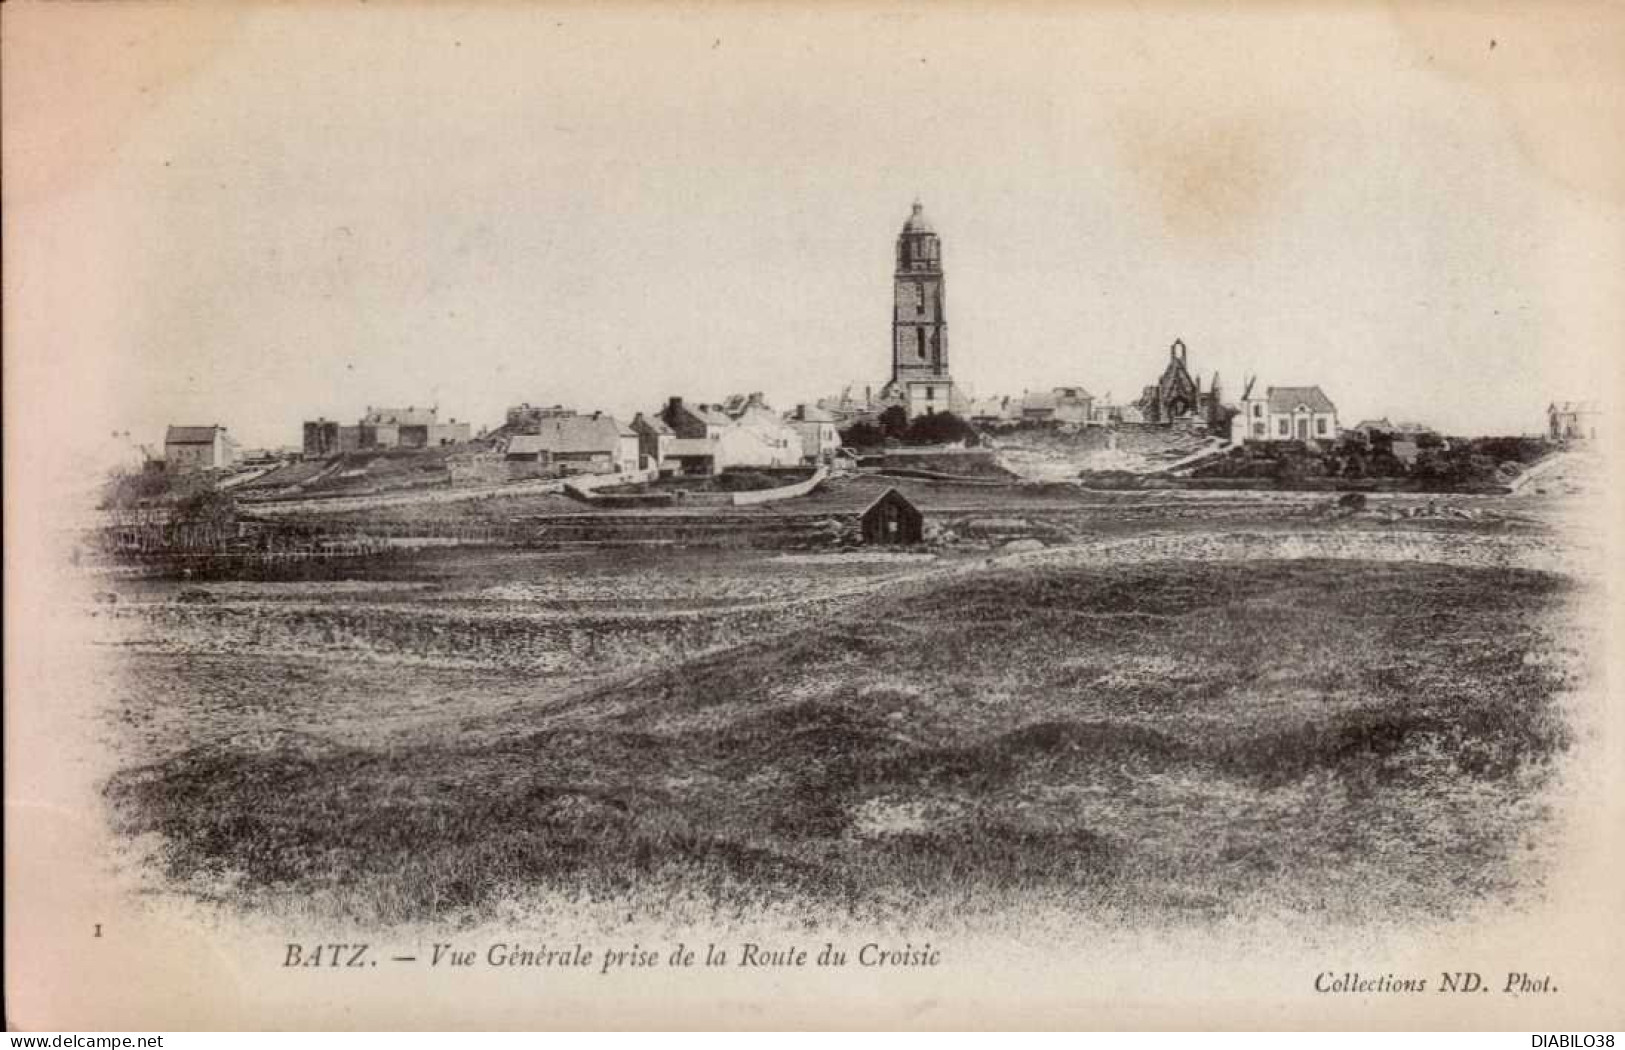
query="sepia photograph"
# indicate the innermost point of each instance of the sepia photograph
(870, 515)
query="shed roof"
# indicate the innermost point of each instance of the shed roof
(890, 493)
(837, 498)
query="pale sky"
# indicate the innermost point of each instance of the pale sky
(259, 215)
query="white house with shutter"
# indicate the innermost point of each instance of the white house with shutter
(1285, 413)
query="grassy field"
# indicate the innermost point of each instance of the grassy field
(1175, 740)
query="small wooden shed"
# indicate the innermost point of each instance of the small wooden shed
(892, 519)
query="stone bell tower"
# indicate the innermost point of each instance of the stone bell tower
(920, 380)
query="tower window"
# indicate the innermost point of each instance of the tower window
(920, 332)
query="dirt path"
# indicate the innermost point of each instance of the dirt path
(1198, 456)
(1557, 463)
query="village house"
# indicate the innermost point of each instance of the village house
(188, 449)
(410, 427)
(326, 437)
(1062, 404)
(383, 428)
(707, 439)
(820, 438)
(850, 406)
(1368, 429)
(576, 444)
(696, 436)
(1102, 413)
(759, 438)
(259, 457)
(993, 411)
(654, 441)
(1573, 420)
(1285, 413)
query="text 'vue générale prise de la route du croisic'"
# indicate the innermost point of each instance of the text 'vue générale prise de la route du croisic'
(610, 959)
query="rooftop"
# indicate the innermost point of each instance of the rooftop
(1286, 399)
(567, 434)
(186, 435)
(811, 414)
(409, 416)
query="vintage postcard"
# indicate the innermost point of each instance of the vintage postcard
(819, 516)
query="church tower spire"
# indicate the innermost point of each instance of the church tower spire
(920, 380)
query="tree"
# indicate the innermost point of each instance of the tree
(1430, 465)
(894, 421)
(863, 435)
(127, 489)
(940, 428)
(1293, 466)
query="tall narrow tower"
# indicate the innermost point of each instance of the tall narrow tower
(920, 380)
